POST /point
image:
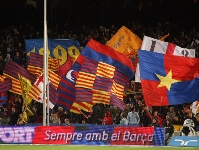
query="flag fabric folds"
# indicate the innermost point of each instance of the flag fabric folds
(64, 50)
(100, 83)
(36, 92)
(11, 71)
(35, 64)
(105, 54)
(3, 98)
(2, 78)
(25, 86)
(155, 45)
(126, 42)
(66, 90)
(103, 75)
(5, 85)
(168, 79)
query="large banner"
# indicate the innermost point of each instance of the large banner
(66, 50)
(83, 135)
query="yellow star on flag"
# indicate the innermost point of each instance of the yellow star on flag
(167, 81)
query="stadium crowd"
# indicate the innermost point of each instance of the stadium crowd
(12, 48)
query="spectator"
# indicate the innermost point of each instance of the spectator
(133, 117)
(124, 121)
(156, 116)
(67, 122)
(10, 53)
(178, 119)
(54, 119)
(190, 115)
(7, 59)
(114, 110)
(107, 120)
(171, 113)
(154, 123)
(169, 129)
(4, 117)
(21, 121)
(13, 117)
(18, 59)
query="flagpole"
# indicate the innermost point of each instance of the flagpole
(44, 64)
(47, 86)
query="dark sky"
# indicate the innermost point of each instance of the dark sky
(101, 12)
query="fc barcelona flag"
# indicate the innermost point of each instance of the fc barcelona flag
(168, 79)
(66, 90)
(99, 82)
(103, 75)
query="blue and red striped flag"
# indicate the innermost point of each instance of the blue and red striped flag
(6, 85)
(35, 64)
(66, 90)
(12, 70)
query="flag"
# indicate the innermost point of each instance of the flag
(2, 78)
(154, 45)
(5, 85)
(100, 83)
(64, 50)
(25, 86)
(105, 54)
(11, 71)
(164, 37)
(36, 92)
(35, 64)
(3, 98)
(103, 75)
(126, 42)
(168, 79)
(66, 90)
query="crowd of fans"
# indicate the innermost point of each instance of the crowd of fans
(12, 48)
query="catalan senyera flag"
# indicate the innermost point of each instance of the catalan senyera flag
(168, 79)
(103, 75)
(155, 45)
(11, 71)
(126, 42)
(35, 63)
(25, 86)
(66, 90)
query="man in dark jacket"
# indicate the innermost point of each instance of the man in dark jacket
(13, 117)
(169, 129)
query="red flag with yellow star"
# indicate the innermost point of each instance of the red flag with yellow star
(168, 79)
